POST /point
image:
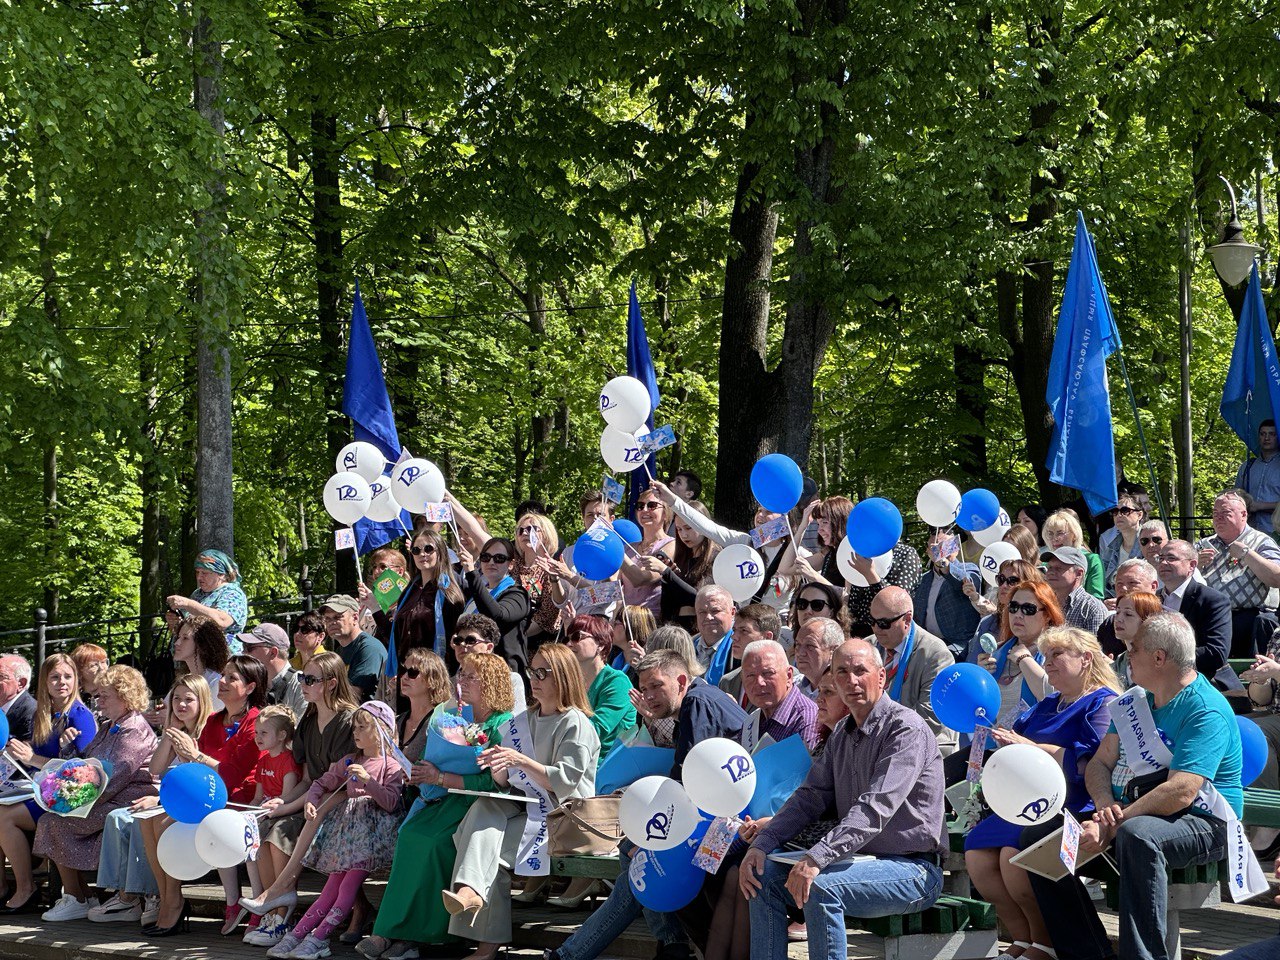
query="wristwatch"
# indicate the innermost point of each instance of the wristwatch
(439, 778)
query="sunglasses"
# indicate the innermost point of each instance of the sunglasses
(494, 558)
(413, 673)
(884, 623)
(1147, 541)
(426, 550)
(817, 603)
(307, 679)
(466, 641)
(649, 505)
(1127, 511)
(1026, 609)
(1003, 581)
(539, 673)
(526, 529)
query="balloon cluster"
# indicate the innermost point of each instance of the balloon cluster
(205, 835)
(360, 488)
(625, 405)
(941, 504)
(665, 819)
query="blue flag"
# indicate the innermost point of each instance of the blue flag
(365, 401)
(1082, 454)
(640, 366)
(1252, 391)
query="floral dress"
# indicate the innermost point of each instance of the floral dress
(361, 833)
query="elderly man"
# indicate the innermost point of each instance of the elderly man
(667, 689)
(780, 710)
(755, 621)
(360, 651)
(713, 609)
(1206, 609)
(1065, 570)
(882, 772)
(1259, 477)
(913, 657)
(940, 604)
(1180, 726)
(1152, 536)
(1243, 563)
(269, 645)
(16, 702)
(1132, 576)
(815, 643)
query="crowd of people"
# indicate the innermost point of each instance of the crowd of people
(554, 675)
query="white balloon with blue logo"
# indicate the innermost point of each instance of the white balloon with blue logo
(415, 483)
(1023, 784)
(740, 570)
(621, 450)
(994, 533)
(347, 497)
(844, 562)
(625, 403)
(362, 458)
(656, 813)
(719, 776)
(383, 507)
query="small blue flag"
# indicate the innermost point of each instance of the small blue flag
(1252, 391)
(1082, 453)
(640, 366)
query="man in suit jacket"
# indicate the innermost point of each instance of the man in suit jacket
(1206, 609)
(913, 658)
(15, 700)
(939, 602)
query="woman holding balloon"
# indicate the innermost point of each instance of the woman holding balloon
(1016, 664)
(1068, 725)
(832, 516)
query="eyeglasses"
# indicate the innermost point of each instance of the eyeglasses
(1147, 541)
(539, 673)
(884, 623)
(528, 528)
(466, 641)
(817, 603)
(649, 505)
(427, 549)
(307, 679)
(1128, 511)
(1003, 581)
(1026, 609)
(413, 673)
(494, 558)
(467, 677)
(1172, 558)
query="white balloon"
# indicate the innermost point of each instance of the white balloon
(362, 458)
(1023, 784)
(415, 483)
(720, 776)
(625, 403)
(177, 852)
(655, 813)
(740, 570)
(222, 840)
(938, 503)
(844, 561)
(620, 450)
(383, 507)
(347, 497)
(996, 531)
(993, 557)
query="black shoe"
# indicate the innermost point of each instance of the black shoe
(29, 905)
(182, 926)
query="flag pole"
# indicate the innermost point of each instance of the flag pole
(1142, 439)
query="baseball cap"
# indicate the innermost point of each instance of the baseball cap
(266, 634)
(342, 603)
(1072, 556)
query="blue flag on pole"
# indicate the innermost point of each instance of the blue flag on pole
(640, 366)
(1082, 453)
(1252, 391)
(365, 401)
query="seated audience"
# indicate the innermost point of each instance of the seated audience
(913, 658)
(1206, 609)
(1032, 608)
(1063, 530)
(589, 638)
(363, 655)
(714, 613)
(1133, 576)
(1133, 610)
(755, 621)
(18, 706)
(1123, 545)
(476, 633)
(308, 640)
(1008, 576)
(269, 645)
(940, 602)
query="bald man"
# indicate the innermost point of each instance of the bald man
(913, 657)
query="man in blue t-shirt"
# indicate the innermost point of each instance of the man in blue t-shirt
(1198, 728)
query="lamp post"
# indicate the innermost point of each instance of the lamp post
(1233, 256)
(1186, 484)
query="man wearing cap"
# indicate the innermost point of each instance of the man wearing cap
(1064, 573)
(269, 645)
(360, 651)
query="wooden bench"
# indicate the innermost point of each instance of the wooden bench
(1190, 888)
(1261, 808)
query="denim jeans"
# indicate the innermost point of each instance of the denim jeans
(611, 919)
(1262, 950)
(1144, 847)
(865, 888)
(122, 864)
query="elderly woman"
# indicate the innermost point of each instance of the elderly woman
(642, 570)
(411, 911)
(126, 743)
(1124, 545)
(428, 609)
(63, 727)
(564, 750)
(1063, 529)
(1068, 725)
(91, 663)
(218, 595)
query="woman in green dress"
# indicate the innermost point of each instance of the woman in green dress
(411, 911)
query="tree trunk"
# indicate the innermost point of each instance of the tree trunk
(52, 546)
(971, 401)
(150, 586)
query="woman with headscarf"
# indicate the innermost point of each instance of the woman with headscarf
(218, 596)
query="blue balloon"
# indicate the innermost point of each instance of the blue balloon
(191, 791)
(776, 482)
(965, 695)
(979, 509)
(874, 527)
(1253, 750)
(628, 531)
(666, 880)
(597, 554)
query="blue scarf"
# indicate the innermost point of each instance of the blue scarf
(720, 659)
(1002, 658)
(900, 672)
(441, 641)
(503, 584)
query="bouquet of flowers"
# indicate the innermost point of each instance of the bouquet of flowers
(454, 744)
(70, 787)
(455, 729)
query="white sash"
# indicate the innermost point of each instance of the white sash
(1145, 752)
(751, 739)
(531, 858)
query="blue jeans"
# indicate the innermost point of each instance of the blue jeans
(611, 919)
(1262, 950)
(122, 864)
(865, 888)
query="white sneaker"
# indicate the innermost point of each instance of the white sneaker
(288, 943)
(116, 910)
(69, 908)
(150, 910)
(266, 934)
(311, 949)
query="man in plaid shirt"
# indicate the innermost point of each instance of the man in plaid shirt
(1243, 563)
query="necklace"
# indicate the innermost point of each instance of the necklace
(1063, 703)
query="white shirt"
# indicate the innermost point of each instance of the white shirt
(4, 708)
(1173, 598)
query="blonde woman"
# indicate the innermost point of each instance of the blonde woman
(1063, 529)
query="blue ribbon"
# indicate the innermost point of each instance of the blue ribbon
(503, 584)
(900, 672)
(441, 586)
(720, 660)
(1002, 658)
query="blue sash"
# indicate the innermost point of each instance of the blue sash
(720, 660)
(1002, 658)
(900, 674)
(496, 592)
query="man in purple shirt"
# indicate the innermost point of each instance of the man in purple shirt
(780, 709)
(882, 771)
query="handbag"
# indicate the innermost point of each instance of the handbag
(585, 826)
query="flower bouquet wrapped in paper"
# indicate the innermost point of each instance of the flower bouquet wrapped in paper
(454, 743)
(69, 788)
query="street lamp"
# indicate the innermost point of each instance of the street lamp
(1233, 257)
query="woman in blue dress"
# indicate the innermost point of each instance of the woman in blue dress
(1068, 724)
